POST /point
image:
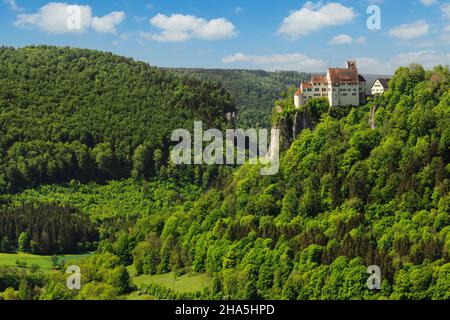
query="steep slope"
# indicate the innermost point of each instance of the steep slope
(347, 197)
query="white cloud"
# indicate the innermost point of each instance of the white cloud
(13, 5)
(446, 29)
(372, 65)
(301, 62)
(60, 18)
(292, 61)
(346, 39)
(428, 2)
(238, 10)
(237, 57)
(446, 10)
(108, 23)
(313, 17)
(341, 39)
(411, 31)
(54, 17)
(427, 58)
(178, 27)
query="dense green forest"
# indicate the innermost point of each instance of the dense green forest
(254, 91)
(347, 196)
(45, 229)
(81, 114)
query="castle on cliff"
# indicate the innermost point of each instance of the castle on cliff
(342, 87)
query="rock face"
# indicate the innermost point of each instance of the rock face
(301, 122)
(291, 126)
(372, 117)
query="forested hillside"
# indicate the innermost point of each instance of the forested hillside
(348, 196)
(81, 114)
(254, 91)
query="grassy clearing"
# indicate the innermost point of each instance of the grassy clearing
(188, 283)
(45, 262)
(135, 296)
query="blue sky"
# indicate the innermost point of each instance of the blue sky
(281, 34)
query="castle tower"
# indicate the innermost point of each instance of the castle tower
(351, 64)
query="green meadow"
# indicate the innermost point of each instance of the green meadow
(183, 284)
(44, 262)
(188, 283)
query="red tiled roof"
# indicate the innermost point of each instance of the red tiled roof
(343, 75)
(298, 92)
(306, 85)
(319, 79)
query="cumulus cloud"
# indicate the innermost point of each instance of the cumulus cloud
(346, 39)
(428, 2)
(411, 31)
(291, 61)
(108, 23)
(313, 17)
(341, 39)
(427, 58)
(60, 18)
(372, 65)
(178, 27)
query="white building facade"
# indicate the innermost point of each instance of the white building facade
(342, 87)
(380, 86)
